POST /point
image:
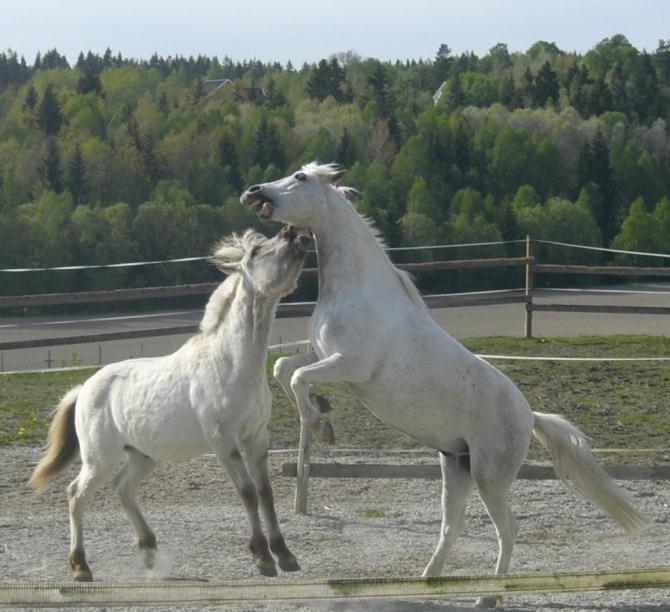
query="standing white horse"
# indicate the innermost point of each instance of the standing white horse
(210, 395)
(371, 329)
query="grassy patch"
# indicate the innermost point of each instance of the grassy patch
(372, 513)
(619, 405)
(26, 402)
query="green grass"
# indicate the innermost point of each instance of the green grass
(372, 513)
(619, 405)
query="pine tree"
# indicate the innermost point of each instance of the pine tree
(508, 92)
(197, 92)
(600, 99)
(326, 80)
(149, 157)
(76, 176)
(528, 87)
(617, 86)
(49, 116)
(51, 169)
(30, 100)
(266, 146)
(455, 96)
(583, 166)
(601, 175)
(230, 162)
(443, 63)
(546, 86)
(163, 103)
(380, 83)
(89, 81)
(346, 151)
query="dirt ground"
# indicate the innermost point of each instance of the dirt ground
(354, 528)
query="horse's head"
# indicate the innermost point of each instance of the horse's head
(299, 198)
(269, 266)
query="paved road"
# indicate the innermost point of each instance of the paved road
(500, 320)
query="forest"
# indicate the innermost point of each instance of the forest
(117, 159)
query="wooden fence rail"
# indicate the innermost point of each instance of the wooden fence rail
(150, 293)
(533, 268)
(433, 472)
(305, 308)
(71, 595)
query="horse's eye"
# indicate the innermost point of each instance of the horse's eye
(301, 176)
(255, 250)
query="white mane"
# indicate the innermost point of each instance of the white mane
(230, 249)
(219, 304)
(329, 172)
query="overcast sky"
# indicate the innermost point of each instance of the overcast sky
(308, 30)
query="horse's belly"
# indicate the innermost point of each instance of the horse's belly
(178, 438)
(433, 421)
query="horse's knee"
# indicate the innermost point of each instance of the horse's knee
(283, 369)
(297, 382)
(308, 413)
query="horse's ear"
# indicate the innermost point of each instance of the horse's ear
(227, 258)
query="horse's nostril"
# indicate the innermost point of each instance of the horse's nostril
(254, 188)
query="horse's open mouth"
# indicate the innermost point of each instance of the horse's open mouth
(263, 207)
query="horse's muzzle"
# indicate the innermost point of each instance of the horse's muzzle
(254, 198)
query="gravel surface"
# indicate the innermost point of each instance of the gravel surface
(354, 528)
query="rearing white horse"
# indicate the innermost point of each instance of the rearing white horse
(210, 395)
(371, 329)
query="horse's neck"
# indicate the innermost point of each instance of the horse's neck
(248, 324)
(348, 251)
(243, 326)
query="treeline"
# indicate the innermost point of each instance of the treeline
(116, 159)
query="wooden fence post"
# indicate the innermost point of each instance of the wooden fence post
(530, 264)
(302, 480)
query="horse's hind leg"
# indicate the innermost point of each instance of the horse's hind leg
(90, 478)
(257, 459)
(494, 493)
(125, 483)
(456, 487)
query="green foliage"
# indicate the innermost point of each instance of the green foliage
(544, 142)
(645, 231)
(49, 116)
(561, 221)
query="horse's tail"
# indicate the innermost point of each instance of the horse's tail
(62, 443)
(576, 466)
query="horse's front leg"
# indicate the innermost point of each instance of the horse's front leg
(335, 368)
(284, 369)
(229, 455)
(257, 459)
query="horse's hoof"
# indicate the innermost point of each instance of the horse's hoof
(289, 564)
(149, 558)
(488, 602)
(267, 568)
(83, 575)
(327, 432)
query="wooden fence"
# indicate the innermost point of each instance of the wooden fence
(301, 309)
(71, 595)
